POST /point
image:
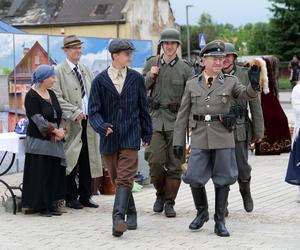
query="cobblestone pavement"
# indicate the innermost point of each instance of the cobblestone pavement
(274, 223)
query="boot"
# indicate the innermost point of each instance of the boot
(159, 183)
(131, 219)
(119, 210)
(226, 210)
(220, 204)
(171, 190)
(246, 195)
(200, 200)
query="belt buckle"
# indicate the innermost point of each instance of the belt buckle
(207, 118)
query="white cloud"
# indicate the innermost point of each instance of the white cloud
(6, 41)
(89, 58)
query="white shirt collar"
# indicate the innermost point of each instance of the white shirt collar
(72, 65)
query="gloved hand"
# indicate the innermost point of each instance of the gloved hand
(178, 152)
(253, 75)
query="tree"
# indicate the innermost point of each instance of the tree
(285, 28)
(6, 70)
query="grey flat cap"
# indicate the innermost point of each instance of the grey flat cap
(117, 45)
(214, 48)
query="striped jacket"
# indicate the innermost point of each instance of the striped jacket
(126, 112)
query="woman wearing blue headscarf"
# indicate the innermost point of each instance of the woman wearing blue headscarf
(44, 175)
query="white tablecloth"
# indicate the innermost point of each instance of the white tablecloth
(12, 142)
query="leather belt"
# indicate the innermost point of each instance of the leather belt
(206, 118)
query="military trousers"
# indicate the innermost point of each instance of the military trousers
(241, 154)
(217, 164)
(160, 156)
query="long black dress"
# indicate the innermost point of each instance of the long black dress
(44, 176)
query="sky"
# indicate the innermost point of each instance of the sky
(235, 12)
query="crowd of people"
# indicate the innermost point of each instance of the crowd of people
(77, 120)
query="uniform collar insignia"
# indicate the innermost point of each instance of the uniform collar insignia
(221, 78)
(174, 61)
(162, 61)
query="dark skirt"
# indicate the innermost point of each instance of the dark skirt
(293, 170)
(43, 181)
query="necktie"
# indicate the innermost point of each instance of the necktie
(79, 77)
(209, 81)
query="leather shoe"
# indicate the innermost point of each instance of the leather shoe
(89, 203)
(75, 204)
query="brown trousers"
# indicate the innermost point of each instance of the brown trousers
(122, 166)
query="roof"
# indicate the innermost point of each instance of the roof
(23, 68)
(22, 13)
(4, 27)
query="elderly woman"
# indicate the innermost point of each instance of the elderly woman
(44, 176)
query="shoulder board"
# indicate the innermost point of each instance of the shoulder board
(149, 58)
(188, 62)
(194, 76)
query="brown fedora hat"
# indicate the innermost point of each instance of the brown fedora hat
(71, 41)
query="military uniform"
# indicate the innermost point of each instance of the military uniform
(204, 108)
(245, 131)
(165, 170)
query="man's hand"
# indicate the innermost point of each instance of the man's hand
(145, 144)
(154, 72)
(81, 116)
(178, 152)
(253, 75)
(109, 130)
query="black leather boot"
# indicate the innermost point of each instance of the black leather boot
(119, 210)
(246, 195)
(159, 184)
(220, 204)
(171, 190)
(131, 219)
(200, 200)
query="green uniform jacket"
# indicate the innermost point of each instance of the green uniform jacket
(168, 89)
(198, 99)
(244, 131)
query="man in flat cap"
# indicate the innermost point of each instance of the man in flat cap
(72, 88)
(118, 111)
(205, 108)
(166, 81)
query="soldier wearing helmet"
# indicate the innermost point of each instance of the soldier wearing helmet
(166, 77)
(246, 129)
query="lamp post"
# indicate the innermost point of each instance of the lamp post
(188, 31)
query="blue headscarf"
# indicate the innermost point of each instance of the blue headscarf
(41, 73)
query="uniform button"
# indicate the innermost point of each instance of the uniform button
(208, 124)
(76, 102)
(207, 106)
(76, 88)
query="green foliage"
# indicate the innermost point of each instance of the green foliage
(285, 83)
(5, 70)
(285, 28)
(248, 39)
